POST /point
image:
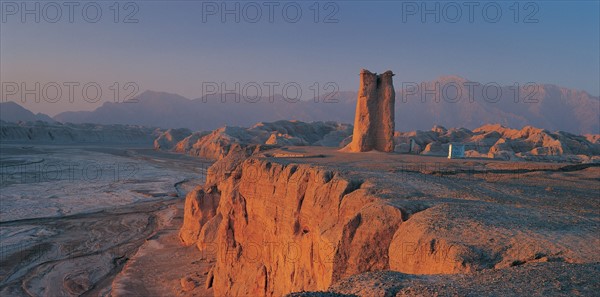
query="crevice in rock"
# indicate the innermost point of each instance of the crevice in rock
(210, 279)
(328, 176)
(293, 169)
(353, 185)
(407, 212)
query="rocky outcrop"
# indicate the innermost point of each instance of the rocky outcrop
(278, 225)
(218, 143)
(374, 120)
(187, 143)
(57, 133)
(200, 206)
(499, 142)
(593, 138)
(488, 141)
(168, 139)
(279, 228)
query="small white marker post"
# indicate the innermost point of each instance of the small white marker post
(456, 151)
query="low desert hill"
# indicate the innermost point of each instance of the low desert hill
(488, 141)
(56, 133)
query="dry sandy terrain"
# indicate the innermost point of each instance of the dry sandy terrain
(63, 234)
(162, 266)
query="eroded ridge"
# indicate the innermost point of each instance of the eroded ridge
(280, 225)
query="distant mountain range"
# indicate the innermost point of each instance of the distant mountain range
(13, 112)
(418, 107)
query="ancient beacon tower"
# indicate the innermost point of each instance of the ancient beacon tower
(374, 121)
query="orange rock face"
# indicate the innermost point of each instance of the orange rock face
(280, 225)
(279, 229)
(200, 206)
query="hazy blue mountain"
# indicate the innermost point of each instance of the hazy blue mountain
(546, 106)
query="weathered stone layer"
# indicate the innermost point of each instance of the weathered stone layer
(283, 228)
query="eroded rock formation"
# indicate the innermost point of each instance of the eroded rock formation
(499, 142)
(217, 144)
(279, 225)
(488, 141)
(374, 120)
(58, 133)
(278, 229)
(170, 138)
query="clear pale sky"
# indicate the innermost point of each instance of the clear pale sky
(172, 49)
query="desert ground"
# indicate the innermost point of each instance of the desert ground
(432, 226)
(72, 218)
